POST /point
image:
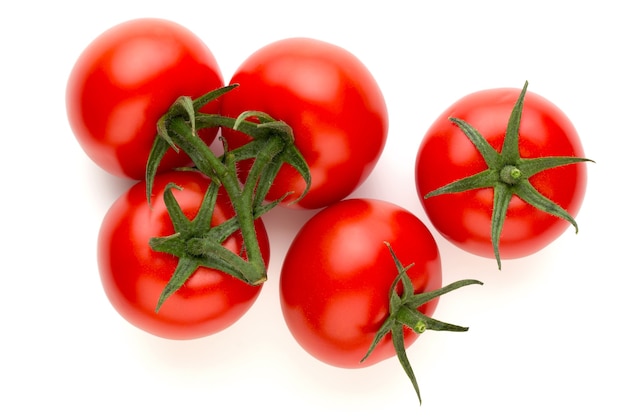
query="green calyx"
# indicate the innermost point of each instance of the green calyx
(508, 174)
(403, 311)
(195, 243)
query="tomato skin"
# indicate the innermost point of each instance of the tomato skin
(446, 155)
(125, 80)
(133, 275)
(331, 101)
(337, 273)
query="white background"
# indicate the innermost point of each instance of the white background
(544, 334)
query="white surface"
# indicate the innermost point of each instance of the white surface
(544, 334)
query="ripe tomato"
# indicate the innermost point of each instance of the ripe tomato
(125, 80)
(446, 154)
(133, 275)
(331, 101)
(338, 272)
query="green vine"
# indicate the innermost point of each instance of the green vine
(195, 243)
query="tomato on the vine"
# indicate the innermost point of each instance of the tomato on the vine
(499, 173)
(125, 80)
(331, 101)
(134, 275)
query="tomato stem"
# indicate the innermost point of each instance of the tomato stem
(411, 318)
(272, 145)
(223, 173)
(510, 174)
(403, 311)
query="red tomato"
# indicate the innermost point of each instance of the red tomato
(133, 275)
(125, 80)
(337, 275)
(446, 154)
(332, 103)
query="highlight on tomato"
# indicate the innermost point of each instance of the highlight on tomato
(359, 283)
(332, 103)
(500, 173)
(152, 264)
(125, 80)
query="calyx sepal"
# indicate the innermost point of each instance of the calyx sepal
(403, 311)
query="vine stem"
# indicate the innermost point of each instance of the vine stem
(241, 200)
(200, 244)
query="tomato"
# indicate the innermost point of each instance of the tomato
(465, 218)
(125, 80)
(133, 275)
(331, 101)
(338, 272)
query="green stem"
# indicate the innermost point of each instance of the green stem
(403, 311)
(197, 243)
(510, 174)
(209, 163)
(411, 319)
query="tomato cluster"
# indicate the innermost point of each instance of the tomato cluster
(184, 252)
